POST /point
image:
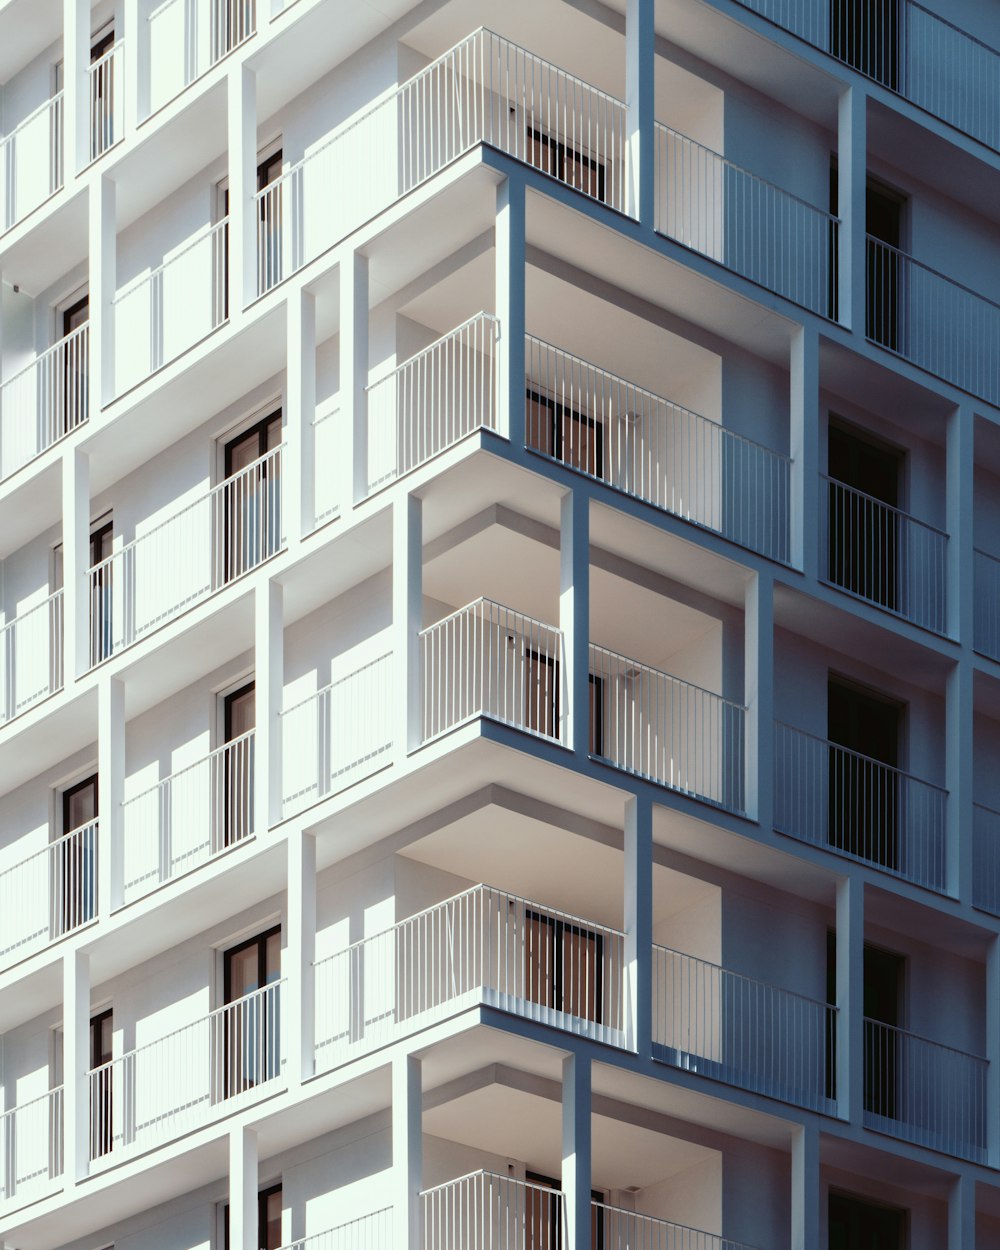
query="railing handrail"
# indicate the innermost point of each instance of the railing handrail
(94, 66)
(658, 672)
(912, 260)
(889, 768)
(987, 47)
(985, 807)
(475, 603)
(927, 1041)
(205, 759)
(654, 397)
(885, 507)
(987, 555)
(431, 347)
(49, 351)
(32, 1102)
(302, 1242)
(337, 681)
(740, 976)
(725, 1242)
(37, 607)
(742, 169)
(48, 848)
(493, 1176)
(146, 278)
(55, 98)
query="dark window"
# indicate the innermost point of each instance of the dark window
(564, 966)
(74, 888)
(543, 1228)
(596, 744)
(251, 498)
(102, 87)
(268, 1219)
(884, 302)
(884, 983)
(269, 223)
(865, 34)
(250, 1044)
(237, 779)
(858, 1225)
(101, 1105)
(541, 693)
(557, 430)
(101, 593)
(569, 165)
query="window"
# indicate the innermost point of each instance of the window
(564, 966)
(884, 985)
(251, 499)
(238, 710)
(269, 268)
(884, 307)
(71, 397)
(596, 743)
(251, 1048)
(557, 430)
(543, 1228)
(74, 884)
(568, 164)
(541, 693)
(855, 1224)
(102, 87)
(101, 1095)
(268, 1218)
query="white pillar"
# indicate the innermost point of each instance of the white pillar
(301, 955)
(960, 495)
(850, 998)
(804, 517)
(76, 87)
(269, 684)
(805, 1187)
(299, 476)
(993, 1052)
(76, 553)
(354, 327)
(110, 792)
(640, 104)
(959, 773)
(638, 913)
(758, 668)
(103, 277)
(509, 260)
(76, 1064)
(574, 618)
(576, 1180)
(243, 1189)
(242, 121)
(407, 1149)
(962, 1213)
(852, 175)
(407, 618)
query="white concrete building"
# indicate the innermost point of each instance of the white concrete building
(500, 625)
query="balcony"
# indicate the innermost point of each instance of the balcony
(657, 451)
(986, 858)
(485, 1209)
(48, 894)
(31, 1149)
(667, 730)
(208, 1069)
(618, 1229)
(106, 93)
(32, 162)
(190, 556)
(481, 948)
(924, 1092)
(433, 400)
(886, 557)
(829, 796)
(189, 818)
(986, 625)
(44, 401)
(31, 657)
(732, 1028)
(749, 225)
(188, 37)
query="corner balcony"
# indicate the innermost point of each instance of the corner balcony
(185, 559)
(31, 158)
(193, 1076)
(744, 1032)
(481, 948)
(655, 450)
(848, 803)
(188, 37)
(924, 1092)
(44, 401)
(31, 1150)
(49, 894)
(31, 657)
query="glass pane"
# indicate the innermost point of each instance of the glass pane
(242, 978)
(272, 957)
(80, 805)
(240, 714)
(271, 1233)
(242, 451)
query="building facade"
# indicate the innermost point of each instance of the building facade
(500, 646)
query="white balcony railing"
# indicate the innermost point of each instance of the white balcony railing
(832, 797)
(48, 894)
(225, 533)
(167, 311)
(484, 90)
(44, 401)
(188, 818)
(338, 736)
(31, 657)
(655, 450)
(368, 1232)
(328, 488)
(482, 947)
(924, 1092)
(618, 1229)
(188, 37)
(986, 859)
(886, 557)
(106, 96)
(433, 400)
(488, 660)
(668, 730)
(733, 1028)
(754, 228)
(485, 1211)
(31, 161)
(201, 1072)
(986, 620)
(31, 1148)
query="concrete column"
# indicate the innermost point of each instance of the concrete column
(640, 103)
(76, 1064)
(993, 1052)
(243, 1189)
(758, 668)
(76, 559)
(805, 1187)
(103, 278)
(407, 617)
(301, 955)
(299, 476)
(574, 618)
(962, 1213)
(959, 773)
(110, 792)
(804, 518)
(509, 258)
(638, 913)
(576, 1169)
(960, 495)
(242, 121)
(354, 327)
(852, 175)
(850, 998)
(269, 683)
(76, 87)
(407, 1149)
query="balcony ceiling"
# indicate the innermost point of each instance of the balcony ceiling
(46, 254)
(27, 28)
